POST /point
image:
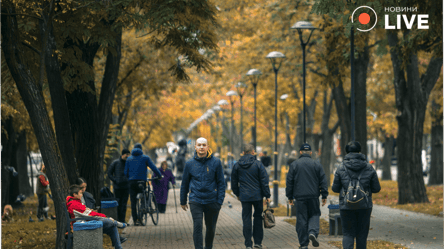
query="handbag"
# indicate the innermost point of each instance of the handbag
(268, 217)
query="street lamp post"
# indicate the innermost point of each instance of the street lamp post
(276, 61)
(300, 26)
(220, 103)
(254, 78)
(231, 95)
(241, 87)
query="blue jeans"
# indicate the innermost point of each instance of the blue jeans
(211, 212)
(257, 229)
(110, 228)
(307, 219)
(355, 224)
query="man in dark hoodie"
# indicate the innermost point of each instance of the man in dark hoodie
(306, 181)
(203, 178)
(249, 182)
(136, 170)
(120, 183)
(355, 223)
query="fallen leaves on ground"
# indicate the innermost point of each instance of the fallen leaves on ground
(373, 244)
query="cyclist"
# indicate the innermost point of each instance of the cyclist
(136, 170)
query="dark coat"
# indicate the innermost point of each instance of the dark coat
(249, 179)
(266, 161)
(306, 179)
(117, 175)
(135, 166)
(160, 187)
(355, 163)
(88, 200)
(205, 178)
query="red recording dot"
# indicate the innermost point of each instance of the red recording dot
(364, 18)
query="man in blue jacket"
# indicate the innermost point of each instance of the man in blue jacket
(249, 182)
(136, 170)
(203, 174)
(306, 181)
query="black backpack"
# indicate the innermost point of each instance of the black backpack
(354, 196)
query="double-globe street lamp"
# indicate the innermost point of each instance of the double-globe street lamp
(300, 26)
(241, 87)
(254, 74)
(276, 61)
(231, 95)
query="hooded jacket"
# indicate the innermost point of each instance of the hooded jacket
(135, 166)
(203, 178)
(355, 164)
(249, 179)
(306, 179)
(73, 203)
(116, 174)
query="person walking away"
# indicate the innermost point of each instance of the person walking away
(266, 161)
(249, 182)
(136, 170)
(42, 190)
(203, 177)
(161, 187)
(73, 203)
(306, 181)
(292, 158)
(355, 222)
(120, 183)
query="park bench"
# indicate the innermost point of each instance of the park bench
(69, 233)
(334, 220)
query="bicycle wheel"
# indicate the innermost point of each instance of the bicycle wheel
(140, 210)
(154, 210)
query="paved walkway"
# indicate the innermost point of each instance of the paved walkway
(175, 230)
(414, 230)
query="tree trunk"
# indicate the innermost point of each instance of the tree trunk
(32, 96)
(387, 159)
(343, 111)
(436, 160)
(361, 65)
(22, 166)
(412, 94)
(327, 137)
(58, 100)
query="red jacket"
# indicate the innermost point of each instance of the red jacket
(75, 204)
(43, 180)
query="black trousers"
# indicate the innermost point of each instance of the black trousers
(257, 230)
(211, 212)
(133, 191)
(307, 219)
(43, 202)
(355, 224)
(122, 197)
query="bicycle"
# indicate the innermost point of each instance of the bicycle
(147, 204)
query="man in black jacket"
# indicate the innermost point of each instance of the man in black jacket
(306, 181)
(249, 182)
(120, 183)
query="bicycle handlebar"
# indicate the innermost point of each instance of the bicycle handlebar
(154, 178)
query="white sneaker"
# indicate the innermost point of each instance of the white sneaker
(314, 240)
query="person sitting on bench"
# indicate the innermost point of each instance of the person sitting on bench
(75, 206)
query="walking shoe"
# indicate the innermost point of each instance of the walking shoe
(123, 240)
(257, 246)
(41, 219)
(314, 240)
